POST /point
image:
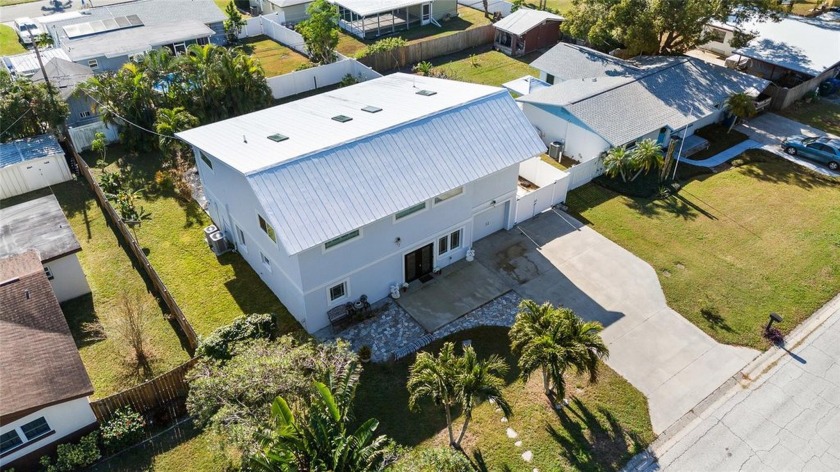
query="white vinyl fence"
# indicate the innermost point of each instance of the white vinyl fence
(83, 135)
(269, 25)
(553, 185)
(583, 173)
(305, 80)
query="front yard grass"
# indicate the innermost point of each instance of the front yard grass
(9, 43)
(467, 18)
(605, 424)
(109, 271)
(485, 66)
(734, 246)
(275, 58)
(824, 115)
(211, 291)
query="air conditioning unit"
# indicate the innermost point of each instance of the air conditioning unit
(555, 150)
(255, 10)
(208, 231)
(218, 243)
(137, 58)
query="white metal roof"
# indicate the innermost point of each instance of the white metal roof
(806, 45)
(372, 7)
(329, 178)
(523, 20)
(27, 63)
(525, 85)
(134, 40)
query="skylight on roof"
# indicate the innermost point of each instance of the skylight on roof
(278, 137)
(371, 109)
(342, 118)
(426, 93)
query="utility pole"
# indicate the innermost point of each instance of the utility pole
(46, 79)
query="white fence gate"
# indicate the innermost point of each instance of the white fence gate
(83, 135)
(305, 80)
(553, 185)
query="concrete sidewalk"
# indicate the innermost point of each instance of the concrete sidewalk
(722, 156)
(780, 413)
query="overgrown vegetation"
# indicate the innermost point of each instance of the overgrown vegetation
(320, 31)
(221, 342)
(383, 45)
(29, 109)
(72, 457)
(124, 428)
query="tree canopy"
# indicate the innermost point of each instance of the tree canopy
(320, 31)
(658, 27)
(28, 108)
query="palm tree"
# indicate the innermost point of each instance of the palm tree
(451, 380)
(741, 106)
(618, 162)
(647, 155)
(554, 340)
(319, 439)
(170, 121)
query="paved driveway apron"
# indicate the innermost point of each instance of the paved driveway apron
(560, 260)
(770, 129)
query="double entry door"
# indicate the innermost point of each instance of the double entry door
(419, 263)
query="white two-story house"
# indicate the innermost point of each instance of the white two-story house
(356, 190)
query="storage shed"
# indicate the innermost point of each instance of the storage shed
(525, 30)
(31, 163)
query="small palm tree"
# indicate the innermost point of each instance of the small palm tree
(741, 106)
(618, 162)
(647, 155)
(554, 340)
(319, 440)
(451, 380)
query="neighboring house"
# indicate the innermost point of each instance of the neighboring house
(363, 188)
(40, 225)
(287, 11)
(525, 31)
(104, 38)
(372, 18)
(796, 54)
(44, 386)
(66, 76)
(26, 64)
(599, 102)
(31, 163)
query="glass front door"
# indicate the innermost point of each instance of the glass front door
(418, 263)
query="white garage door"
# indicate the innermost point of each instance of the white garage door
(489, 221)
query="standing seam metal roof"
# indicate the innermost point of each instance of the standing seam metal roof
(22, 150)
(523, 20)
(335, 191)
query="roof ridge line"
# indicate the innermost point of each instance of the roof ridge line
(372, 133)
(655, 70)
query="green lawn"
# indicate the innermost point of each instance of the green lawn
(468, 18)
(823, 115)
(485, 66)
(211, 291)
(9, 43)
(275, 58)
(109, 271)
(734, 246)
(605, 425)
(562, 5)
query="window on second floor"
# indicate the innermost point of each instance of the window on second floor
(267, 228)
(410, 210)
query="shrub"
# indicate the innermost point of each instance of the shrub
(383, 45)
(737, 162)
(70, 457)
(111, 183)
(220, 343)
(349, 79)
(122, 430)
(365, 353)
(306, 65)
(423, 68)
(439, 459)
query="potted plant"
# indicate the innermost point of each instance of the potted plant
(365, 354)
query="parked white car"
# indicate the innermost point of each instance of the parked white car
(24, 26)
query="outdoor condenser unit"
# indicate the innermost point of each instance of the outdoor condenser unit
(208, 231)
(218, 243)
(555, 150)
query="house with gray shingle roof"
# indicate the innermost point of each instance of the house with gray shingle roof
(599, 102)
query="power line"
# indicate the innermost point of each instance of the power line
(15, 122)
(127, 121)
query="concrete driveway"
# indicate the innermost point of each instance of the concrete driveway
(770, 129)
(556, 258)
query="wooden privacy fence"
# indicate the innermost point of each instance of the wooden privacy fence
(413, 53)
(160, 287)
(163, 395)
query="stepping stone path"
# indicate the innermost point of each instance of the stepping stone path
(504, 420)
(511, 433)
(518, 444)
(527, 456)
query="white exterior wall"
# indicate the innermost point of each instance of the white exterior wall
(232, 202)
(64, 418)
(580, 143)
(33, 174)
(370, 264)
(723, 48)
(69, 279)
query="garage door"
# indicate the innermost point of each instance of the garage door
(489, 221)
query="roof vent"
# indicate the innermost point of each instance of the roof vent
(278, 137)
(426, 93)
(341, 118)
(371, 109)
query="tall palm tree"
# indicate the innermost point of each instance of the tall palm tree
(553, 340)
(741, 106)
(647, 155)
(451, 380)
(319, 439)
(170, 121)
